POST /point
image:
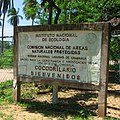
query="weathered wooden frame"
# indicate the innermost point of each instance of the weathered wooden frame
(102, 87)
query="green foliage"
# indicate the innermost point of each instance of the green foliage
(114, 54)
(30, 9)
(42, 17)
(7, 45)
(28, 90)
(115, 49)
(6, 92)
(6, 58)
(72, 11)
(110, 118)
(109, 9)
(114, 67)
(4, 7)
(77, 11)
(14, 17)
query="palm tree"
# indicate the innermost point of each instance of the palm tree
(14, 17)
(12, 3)
(51, 5)
(30, 9)
(4, 6)
(0, 7)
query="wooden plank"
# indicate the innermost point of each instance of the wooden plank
(61, 27)
(62, 83)
(102, 99)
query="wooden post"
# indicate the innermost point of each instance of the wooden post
(16, 81)
(102, 98)
(102, 101)
(55, 94)
(16, 90)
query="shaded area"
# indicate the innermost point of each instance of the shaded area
(114, 76)
(114, 92)
(74, 105)
(113, 108)
(72, 102)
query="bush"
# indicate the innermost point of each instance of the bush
(6, 92)
(114, 67)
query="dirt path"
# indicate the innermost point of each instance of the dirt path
(15, 112)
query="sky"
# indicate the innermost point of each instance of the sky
(9, 28)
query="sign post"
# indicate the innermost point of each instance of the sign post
(102, 99)
(63, 55)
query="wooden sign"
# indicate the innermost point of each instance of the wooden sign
(73, 56)
(65, 55)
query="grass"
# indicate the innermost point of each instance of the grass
(110, 118)
(6, 117)
(6, 58)
(6, 92)
(46, 109)
(67, 108)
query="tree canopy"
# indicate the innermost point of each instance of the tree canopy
(30, 9)
(14, 17)
(73, 11)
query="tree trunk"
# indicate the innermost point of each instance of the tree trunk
(50, 15)
(32, 22)
(50, 8)
(2, 46)
(12, 3)
(0, 8)
(57, 14)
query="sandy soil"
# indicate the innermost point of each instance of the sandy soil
(16, 112)
(113, 100)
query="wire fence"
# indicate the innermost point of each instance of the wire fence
(113, 98)
(68, 98)
(6, 61)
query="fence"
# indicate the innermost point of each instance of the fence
(83, 102)
(6, 61)
(113, 107)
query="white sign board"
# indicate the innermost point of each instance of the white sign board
(67, 55)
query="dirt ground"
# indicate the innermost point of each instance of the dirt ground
(15, 112)
(6, 74)
(113, 100)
